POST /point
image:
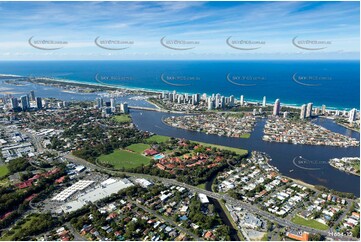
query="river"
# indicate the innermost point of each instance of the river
(282, 154)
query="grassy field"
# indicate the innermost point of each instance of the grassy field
(3, 170)
(138, 148)
(161, 138)
(309, 223)
(122, 118)
(158, 138)
(202, 186)
(123, 158)
(236, 150)
(245, 136)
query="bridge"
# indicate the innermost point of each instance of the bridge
(146, 108)
(157, 109)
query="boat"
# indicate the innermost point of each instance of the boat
(291, 170)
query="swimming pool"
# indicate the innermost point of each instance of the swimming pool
(158, 156)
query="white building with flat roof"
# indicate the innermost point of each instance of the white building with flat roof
(143, 182)
(78, 186)
(203, 198)
(105, 189)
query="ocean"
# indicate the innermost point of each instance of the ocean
(333, 83)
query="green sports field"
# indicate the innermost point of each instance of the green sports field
(158, 138)
(138, 148)
(236, 150)
(3, 170)
(122, 118)
(123, 158)
(309, 223)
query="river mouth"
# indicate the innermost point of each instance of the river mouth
(282, 154)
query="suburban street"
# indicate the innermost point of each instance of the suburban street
(170, 221)
(229, 200)
(77, 236)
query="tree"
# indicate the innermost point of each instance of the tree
(356, 231)
(18, 164)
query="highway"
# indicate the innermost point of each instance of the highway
(229, 200)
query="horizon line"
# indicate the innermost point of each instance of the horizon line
(188, 60)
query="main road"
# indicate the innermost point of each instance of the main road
(229, 200)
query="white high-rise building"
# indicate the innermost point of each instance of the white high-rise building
(309, 110)
(210, 104)
(223, 102)
(303, 111)
(323, 109)
(112, 104)
(264, 102)
(124, 108)
(186, 97)
(195, 99)
(317, 111)
(218, 100)
(276, 107)
(204, 96)
(231, 101)
(241, 100)
(352, 115)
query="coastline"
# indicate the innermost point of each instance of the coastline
(350, 173)
(341, 124)
(347, 127)
(153, 91)
(299, 182)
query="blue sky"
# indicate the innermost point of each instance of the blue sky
(271, 26)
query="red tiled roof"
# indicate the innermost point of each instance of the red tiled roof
(31, 197)
(208, 235)
(160, 166)
(24, 184)
(60, 180)
(150, 152)
(6, 215)
(302, 237)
